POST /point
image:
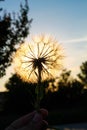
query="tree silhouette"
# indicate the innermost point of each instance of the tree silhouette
(13, 30)
(21, 95)
(69, 91)
(64, 78)
(83, 74)
(1, 7)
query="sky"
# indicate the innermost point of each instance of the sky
(66, 20)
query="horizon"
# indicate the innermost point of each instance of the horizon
(65, 20)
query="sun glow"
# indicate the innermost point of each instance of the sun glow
(42, 53)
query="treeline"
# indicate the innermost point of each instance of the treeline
(62, 92)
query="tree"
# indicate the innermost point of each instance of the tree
(21, 95)
(83, 74)
(13, 30)
(1, 7)
(64, 78)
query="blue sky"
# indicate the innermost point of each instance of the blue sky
(66, 20)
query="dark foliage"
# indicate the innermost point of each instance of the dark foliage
(70, 93)
(13, 30)
(83, 74)
(21, 95)
(1, 7)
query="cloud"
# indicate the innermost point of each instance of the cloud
(75, 40)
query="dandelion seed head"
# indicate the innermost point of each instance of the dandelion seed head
(43, 52)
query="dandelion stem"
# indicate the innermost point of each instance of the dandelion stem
(38, 90)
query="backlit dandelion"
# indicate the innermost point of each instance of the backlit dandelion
(38, 60)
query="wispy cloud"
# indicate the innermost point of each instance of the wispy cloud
(75, 40)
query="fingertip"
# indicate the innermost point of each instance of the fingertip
(44, 125)
(44, 112)
(45, 122)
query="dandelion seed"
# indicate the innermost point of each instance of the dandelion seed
(43, 53)
(38, 60)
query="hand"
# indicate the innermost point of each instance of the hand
(31, 121)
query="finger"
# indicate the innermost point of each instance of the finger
(44, 125)
(45, 122)
(37, 117)
(35, 123)
(44, 113)
(38, 122)
(23, 120)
